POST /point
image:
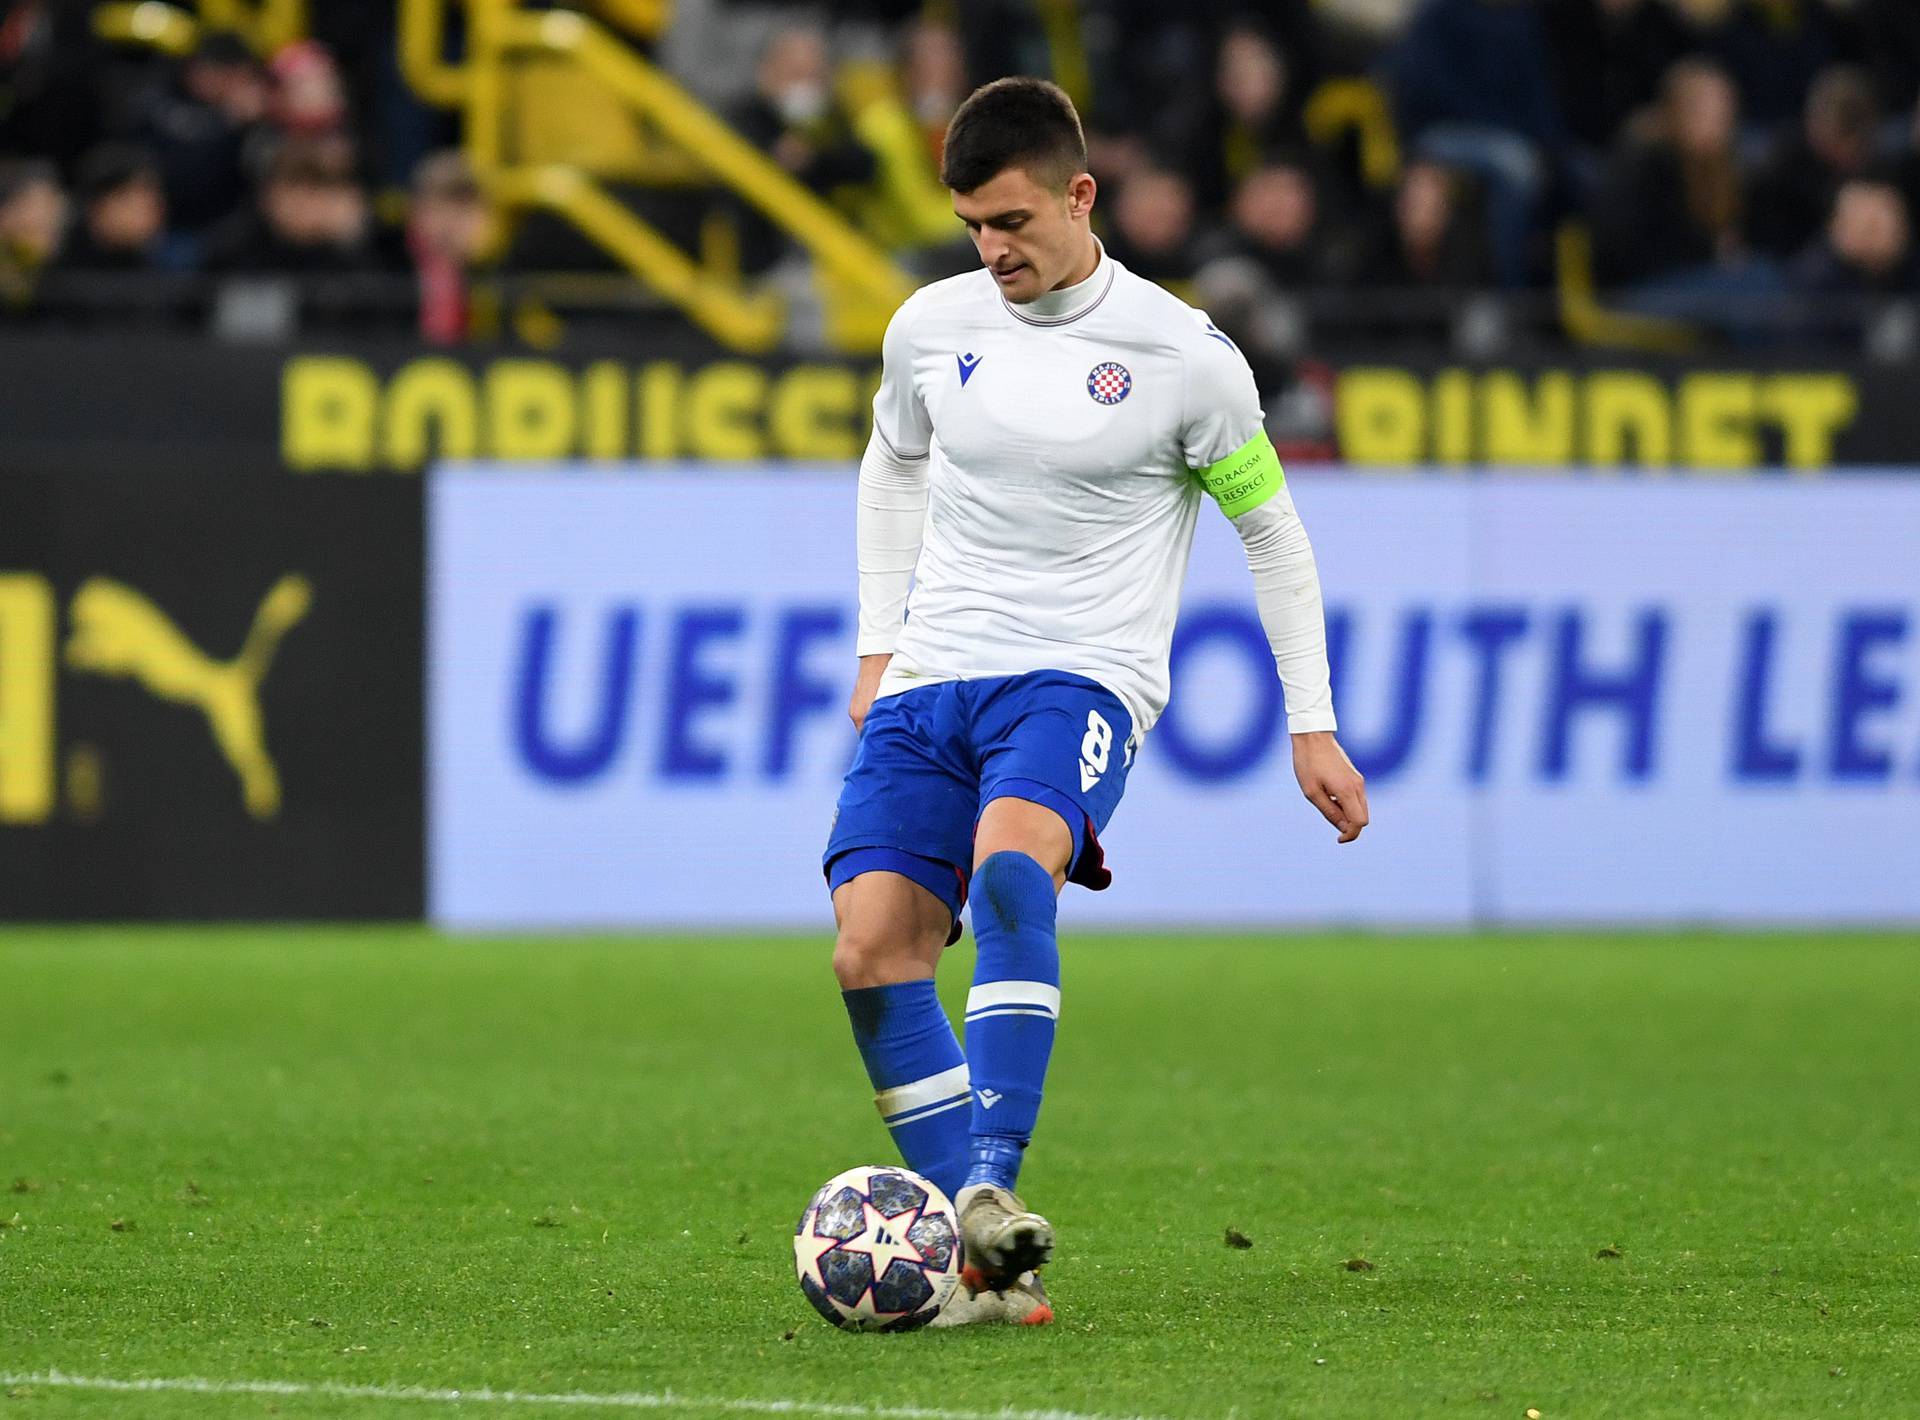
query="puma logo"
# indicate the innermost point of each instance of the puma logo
(119, 632)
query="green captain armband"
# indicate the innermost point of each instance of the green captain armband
(1245, 478)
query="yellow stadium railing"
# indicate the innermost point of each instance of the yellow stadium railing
(860, 284)
(1587, 321)
(1359, 106)
(1060, 22)
(267, 25)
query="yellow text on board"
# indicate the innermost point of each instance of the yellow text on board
(338, 414)
(27, 629)
(1703, 420)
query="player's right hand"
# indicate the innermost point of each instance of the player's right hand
(1330, 782)
(865, 685)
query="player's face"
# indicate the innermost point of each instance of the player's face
(1030, 236)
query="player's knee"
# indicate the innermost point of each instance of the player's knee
(1007, 868)
(1008, 883)
(1017, 828)
(999, 869)
(865, 953)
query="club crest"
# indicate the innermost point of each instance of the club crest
(1109, 382)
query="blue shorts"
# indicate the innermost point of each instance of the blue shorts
(931, 759)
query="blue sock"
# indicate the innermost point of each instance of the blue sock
(919, 1075)
(1010, 1011)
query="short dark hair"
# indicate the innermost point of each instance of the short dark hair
(110, 167)
(1024, 123)
(19, 174)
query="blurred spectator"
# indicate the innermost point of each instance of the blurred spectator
(309, 100)
(1902, 166)
(1001, 37)
(50, 69)
(1157, 72)
(1888, 44)
(123, 215)
(933, 77)
(1115, 157)
(448, 227)
(393, 128)
(1151, 225)
(1836, 141)
(1674, 199)
(1771, 48)
(794, 118)
(311, 217)
(1472, 88)
(1152, 231)
(1254, 116)
(1669, 219)
(1608, 58)
(200, 130)
(792, 114)
(1506, 110)
(1867, 249)
(900, 117)
(1276, 221)
(1434, 238)
(1480, 64)
(33, 223)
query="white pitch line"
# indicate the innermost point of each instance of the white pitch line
(615, 1400)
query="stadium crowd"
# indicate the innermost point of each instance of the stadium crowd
(1731, 158)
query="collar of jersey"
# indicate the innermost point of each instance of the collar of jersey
(1068, 303)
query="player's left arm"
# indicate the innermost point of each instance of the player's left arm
(1226, 445)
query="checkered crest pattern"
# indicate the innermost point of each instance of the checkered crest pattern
(1109, 382)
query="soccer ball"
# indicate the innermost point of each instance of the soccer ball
(878, 1249)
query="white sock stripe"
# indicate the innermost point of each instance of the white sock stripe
(918, 1094)
(914, 1116)
(1014, 993)
(1013, 1011)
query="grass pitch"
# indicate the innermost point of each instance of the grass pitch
(1590, 1176)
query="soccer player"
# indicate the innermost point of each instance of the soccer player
(1043, 436)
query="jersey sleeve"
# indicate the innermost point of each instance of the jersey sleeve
(1223, 433)
(900, 419)
(1225, 443)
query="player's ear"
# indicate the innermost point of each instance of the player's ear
(1080, 194)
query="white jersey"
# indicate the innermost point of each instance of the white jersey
(1056, 443)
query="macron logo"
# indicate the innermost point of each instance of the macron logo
(990, 1098)
(968, 363)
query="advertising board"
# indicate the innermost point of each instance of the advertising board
(210, 694)
(373, 408)
(1575, 700)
